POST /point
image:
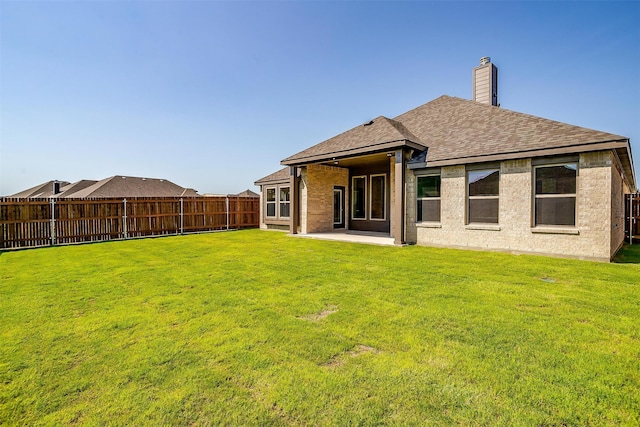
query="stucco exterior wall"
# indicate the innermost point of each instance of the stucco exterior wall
(591, 238)
(317, 209)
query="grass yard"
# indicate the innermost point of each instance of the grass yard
(260, 328)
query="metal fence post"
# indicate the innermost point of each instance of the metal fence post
(632, 215)
(124, 219)
(53, 222)
(227, 209)
(181, 216)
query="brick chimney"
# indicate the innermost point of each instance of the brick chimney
(485, 82)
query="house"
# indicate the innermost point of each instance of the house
(463, 174)
(115, 186)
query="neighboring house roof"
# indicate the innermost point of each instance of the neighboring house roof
(458, 131)
(70, 189)
(279, 176)
(41, 190)
(115, 186)
(246, 193)
(128, 186)
(189, 192)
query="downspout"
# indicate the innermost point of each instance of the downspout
(293, 202)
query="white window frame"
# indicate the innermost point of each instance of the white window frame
(277, 203)
(384, 197)
(284, 202)
(274, 202)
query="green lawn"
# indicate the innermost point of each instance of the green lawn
(260, 328)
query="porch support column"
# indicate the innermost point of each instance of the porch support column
(293, 188)
(398, 204)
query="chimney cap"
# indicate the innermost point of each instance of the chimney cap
(485, 60)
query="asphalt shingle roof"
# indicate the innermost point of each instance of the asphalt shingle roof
(454, 128)
(458, 131)
(115, 186)
(128, 186)
(379, 133)
(279, 176)
(41, 190)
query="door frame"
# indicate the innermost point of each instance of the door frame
(342, 191)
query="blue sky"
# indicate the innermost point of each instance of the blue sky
(212, 95)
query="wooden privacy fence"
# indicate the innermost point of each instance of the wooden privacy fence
(632, 218)
(44, 222)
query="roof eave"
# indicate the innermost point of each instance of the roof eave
(337, 155)
(270, 181)
(626, 159)
(621, 145)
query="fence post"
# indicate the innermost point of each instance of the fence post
(631, 218)
(124, 220)
(227, 209)
(53, 221)
(181, 216)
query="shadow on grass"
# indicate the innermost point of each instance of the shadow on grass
(629, 254)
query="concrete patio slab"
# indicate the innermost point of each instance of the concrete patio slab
(370, 238)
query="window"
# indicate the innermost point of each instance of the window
(377, 197)
(278, 202)
(285, 202)
(484, 190)
(359, 186)
(271, 202)
(555, 194)
(428, 198)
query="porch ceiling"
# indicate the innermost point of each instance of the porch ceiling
(369, 159)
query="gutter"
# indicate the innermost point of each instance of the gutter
(337, 155)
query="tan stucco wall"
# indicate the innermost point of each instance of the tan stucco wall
(514, 232)
(317, 198)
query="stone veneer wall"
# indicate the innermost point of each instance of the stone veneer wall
(263, 226)
(392, 195)
(317, 198)
(617, 208)
(592, 238)
(302, 188)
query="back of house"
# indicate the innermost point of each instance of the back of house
(465, 174)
